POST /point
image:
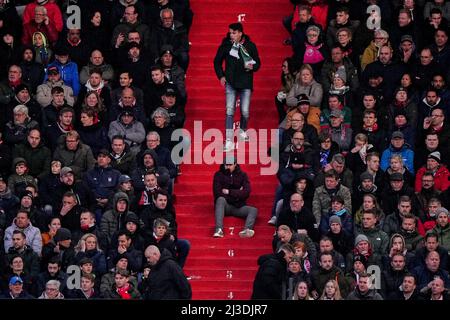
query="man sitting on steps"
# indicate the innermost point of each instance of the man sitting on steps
(231, 189)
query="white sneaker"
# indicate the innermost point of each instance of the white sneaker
(272, 221)
(229, 146)
(218, 233)
(247, 233)
(243, 136)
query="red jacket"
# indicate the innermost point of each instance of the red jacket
(53, 12)
(441, 176)
(319, 11)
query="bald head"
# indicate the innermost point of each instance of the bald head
(152, 254)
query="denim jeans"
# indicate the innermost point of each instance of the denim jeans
(231, 96)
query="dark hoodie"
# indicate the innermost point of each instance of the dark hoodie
(138, 174)
(112, 220)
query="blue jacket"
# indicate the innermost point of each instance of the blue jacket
(346, 219)
(69, 74)
(102, 181)
(407, 155)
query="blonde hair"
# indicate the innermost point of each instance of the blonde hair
(337, 293)
(308, 295)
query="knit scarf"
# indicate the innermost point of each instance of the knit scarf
(123, 292)
(400, 104)
(98, 89)
(373, 128)
(324, 157)
(238, 48)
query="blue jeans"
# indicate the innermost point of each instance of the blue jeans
(231, 95)
(183, 248)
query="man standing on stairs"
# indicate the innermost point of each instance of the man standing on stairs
(241, 61)
(231, 189)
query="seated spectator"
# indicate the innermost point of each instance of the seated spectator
(431, 243)
(396, 165)
(295, 274)
(439, 172)
(52, 272)
(337, 210)
(428, 272)
(42, 52)
(305, 85)
(31, 234)
(341, 239)
(19, 247)
(173, 72)
(379, 240)
(36, 154)
(51, 291)
(92, 131)
(407, 291)
(127, 101)
(68, 69)
(16, 290)
(41, 22)
(72, 152)
(442, 228)
(46, 96)
(17, 267)
(97, 61)
(175, 109)
(87, 290)
(380, 38)
(364, 290)
(125, 247)
(16, 131)
(95, 84)
(60, 247)
(338, 164)
(53, 226)
(25, 96)
(126, 81)
(122, 159)
(121, 263)
(88, 247)
(398, 146)
(364, 248)
(129, 127)
(17, 181)
(327, 271)
(149, 162)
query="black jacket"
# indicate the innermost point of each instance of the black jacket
(235, 73)
(269, 278)
(236, 182)
(167, 281)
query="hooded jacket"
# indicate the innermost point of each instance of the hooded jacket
(137, 174)
(112, 220)
(235, 73)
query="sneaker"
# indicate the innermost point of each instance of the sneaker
(272, 221)
(243, 136)
(247, 233)
(218, 233)
(229, 146)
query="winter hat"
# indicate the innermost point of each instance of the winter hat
(436, 155)
(406, 37)
(132, 217)
(62, 234)
(26, 193)
(53, 70)
(397, 135)
(21, 87)
(400, 89)
(336, 113)
(85, 260)
(167, 48)
(296, 259)
(127, 111)
(335, 219)
(361, 237)
(18, 161)
(400, 112)
(360, 258)
(396, 176)
(133, 44)
(442, 210)
(104, 152)
(303, 99)
(120, 256)
(65, 171)
(340, 73)
(366, 176)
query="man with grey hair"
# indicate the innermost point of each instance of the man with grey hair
(171, 32)
(166, 280)
(153, 141)
(52, 290)
(40, 23)
(16, 131)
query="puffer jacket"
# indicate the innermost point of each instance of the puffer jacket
(80, 160)
(44, 95)
(69, 74)
(314, 91)
(112, 220)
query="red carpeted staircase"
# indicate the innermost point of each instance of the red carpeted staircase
(225, 268)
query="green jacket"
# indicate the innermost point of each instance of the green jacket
(38, 159)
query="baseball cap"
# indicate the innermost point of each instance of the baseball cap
(65, 171)
(14, 280)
